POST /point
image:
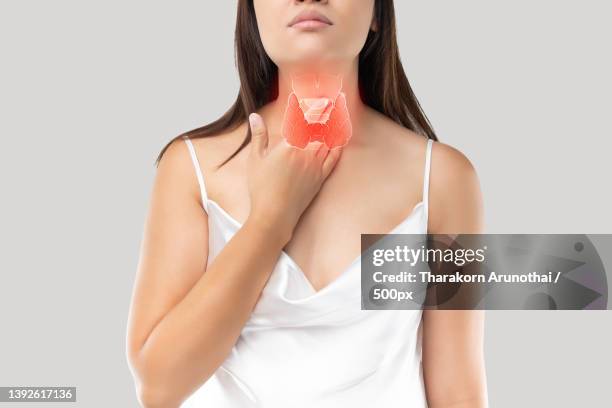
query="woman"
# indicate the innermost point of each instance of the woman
(247, 292)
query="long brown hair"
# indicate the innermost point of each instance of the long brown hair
(382, 81)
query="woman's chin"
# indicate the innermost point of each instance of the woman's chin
(314, 58)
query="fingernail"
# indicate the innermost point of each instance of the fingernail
(255, 120)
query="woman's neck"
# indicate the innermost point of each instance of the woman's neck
(312, 82)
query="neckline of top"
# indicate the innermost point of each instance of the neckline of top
(395, 230)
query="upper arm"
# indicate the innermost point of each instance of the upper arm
(456, 205)
(453, 361)
(174, 246)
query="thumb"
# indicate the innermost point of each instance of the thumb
(259, 134)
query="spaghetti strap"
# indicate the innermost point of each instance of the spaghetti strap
(198, 171)
(426, 180)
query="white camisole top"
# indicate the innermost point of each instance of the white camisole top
(308, 348)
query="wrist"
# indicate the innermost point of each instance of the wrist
(274, 232)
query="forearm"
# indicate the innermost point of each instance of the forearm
(194, 338)
(474, 402)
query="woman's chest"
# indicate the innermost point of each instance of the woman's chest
(327, 238)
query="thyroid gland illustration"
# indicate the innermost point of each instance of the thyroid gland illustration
(317, 112)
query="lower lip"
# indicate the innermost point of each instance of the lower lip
(310, 24)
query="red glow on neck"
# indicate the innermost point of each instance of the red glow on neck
(317, 111)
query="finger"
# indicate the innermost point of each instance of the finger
(331, 160)
(259, 134)
(313, 147)
(322, 152)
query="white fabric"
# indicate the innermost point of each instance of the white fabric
(303, 348)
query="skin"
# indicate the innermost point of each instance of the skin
(185, 317)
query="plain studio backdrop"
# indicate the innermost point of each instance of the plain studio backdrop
(91, 91)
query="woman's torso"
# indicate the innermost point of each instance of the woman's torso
(307, 342)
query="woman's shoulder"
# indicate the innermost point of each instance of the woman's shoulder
(454, 187)
(399, 141)
(455, 195)
(189, 154)
(212, 150)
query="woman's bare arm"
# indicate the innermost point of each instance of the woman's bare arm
(184, 322)
(453, 361)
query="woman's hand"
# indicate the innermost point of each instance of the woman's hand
(283, 179)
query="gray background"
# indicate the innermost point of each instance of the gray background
(90, 91)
